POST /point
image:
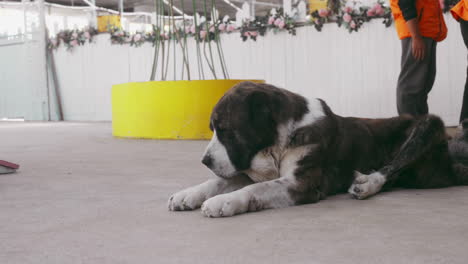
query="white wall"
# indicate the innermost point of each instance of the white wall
(355, 73)
(23, 80)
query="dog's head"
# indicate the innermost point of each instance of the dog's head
(244, 123)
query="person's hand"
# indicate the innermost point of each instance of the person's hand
(419, 48)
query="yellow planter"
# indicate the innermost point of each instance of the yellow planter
(166, 109)
(315, 5)
(108, 20)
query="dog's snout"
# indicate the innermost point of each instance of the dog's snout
(207, 160)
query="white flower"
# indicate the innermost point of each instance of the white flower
(197, 18)
(137, 37)
(202, 20)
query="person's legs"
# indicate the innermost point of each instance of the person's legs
(416, 79)
(464, 110)
(431, 46)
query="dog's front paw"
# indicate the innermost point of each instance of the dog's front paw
(366, 185)
(226, 205)
(188, 199)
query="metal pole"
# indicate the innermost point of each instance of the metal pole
(42, 39)
(252, 9)
(121, 8)
(92, 4)
(257, 3)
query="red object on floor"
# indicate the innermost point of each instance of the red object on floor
(9, 164)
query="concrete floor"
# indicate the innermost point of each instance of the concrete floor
(82, 196)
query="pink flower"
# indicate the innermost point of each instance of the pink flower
(137, 37)
(74, 35)
(212, 29)
(187, 29)
(193, 29)
(347, 18)
(74, 43)
(87, 35)
(271, 20)
(222, 27)
(348, 9)
(352, 24)
(164, 36)
(246, 34)
(128, 39)
(278, 21)
(370, 12)
(281, 24)
(323, 12)
(202, 34)
(231, 28)
(253, 33)
(378, 9)
(119, 33)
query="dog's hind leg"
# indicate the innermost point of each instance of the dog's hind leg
(461, 173)
(458, 148)
(427, 134)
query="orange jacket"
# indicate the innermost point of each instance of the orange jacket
(460, 10)
(429, 14)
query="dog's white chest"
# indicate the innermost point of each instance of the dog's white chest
(264, 166)
(271, 164)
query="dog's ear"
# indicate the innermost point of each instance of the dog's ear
(263, 132)
(260, 108)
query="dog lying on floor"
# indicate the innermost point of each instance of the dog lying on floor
(272, 148)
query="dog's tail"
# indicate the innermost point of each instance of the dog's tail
(458, 149)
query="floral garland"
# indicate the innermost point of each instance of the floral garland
(206, 31)
(275, 20)
(351, 17)
(118, 36)
(72, 38)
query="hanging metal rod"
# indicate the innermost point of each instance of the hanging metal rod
(232, 5)
(124, 13)
(259, 3)
(15, 4)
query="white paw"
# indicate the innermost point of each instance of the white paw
(366, 185)
(226, 205)
(188, 199)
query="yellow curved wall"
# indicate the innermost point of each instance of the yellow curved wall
(166, 109)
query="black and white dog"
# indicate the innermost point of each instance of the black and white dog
(272, 148)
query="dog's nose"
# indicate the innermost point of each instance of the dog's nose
(207, 160)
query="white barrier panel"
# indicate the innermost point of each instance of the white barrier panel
(23, 78)
(355, 73)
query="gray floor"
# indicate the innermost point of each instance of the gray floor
(82, 196)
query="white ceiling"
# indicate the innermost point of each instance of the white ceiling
(148, 5)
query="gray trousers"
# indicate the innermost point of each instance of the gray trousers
(416, 78)
(464, 110)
